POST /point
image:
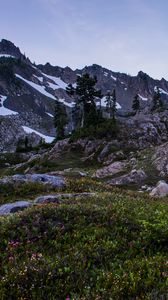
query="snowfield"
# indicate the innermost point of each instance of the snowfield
(103, 103)
(58, 82)
(160, 90)
(37, 87)
(3, 110)
(48, 139)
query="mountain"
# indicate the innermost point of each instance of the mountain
(28, 93)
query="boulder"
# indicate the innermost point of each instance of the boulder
(70, 172)
(117, 156)
(107, 149)
(110, 170)
(160, 190)
(92, 146)
(58, 197)
(134, 177)
(13, 207)
(54, 181)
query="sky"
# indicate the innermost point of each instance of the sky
(121, 35)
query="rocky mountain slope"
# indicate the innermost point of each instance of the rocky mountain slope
(28, 93)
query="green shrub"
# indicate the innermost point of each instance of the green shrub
(111, 246)
(105, 129)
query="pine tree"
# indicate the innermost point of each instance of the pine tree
(157, 102)
(111, 104)
(60, 119)
(136, 104)
(85, 95)
(70, 89)
(114, 105)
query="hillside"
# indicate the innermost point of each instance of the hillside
(79, 236)
(84, 217)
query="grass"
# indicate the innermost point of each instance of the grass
(112, 246)
(27, 191)
(71, 159)
(144, 162)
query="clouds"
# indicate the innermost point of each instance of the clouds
(125, 35)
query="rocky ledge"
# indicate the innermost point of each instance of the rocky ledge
(54, 181)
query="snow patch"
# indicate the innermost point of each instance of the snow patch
(57, 80)
(52, 85)
(48, 139)
(104, 104)
(142, 98)
(105, 74)
(37, 87)
(3, 110)
(69, 104)
(160, 90)
(7, 55)
(114, 78)
(39, 78)
(50, 115)
(74, 85)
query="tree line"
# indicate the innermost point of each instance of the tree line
(87, 111)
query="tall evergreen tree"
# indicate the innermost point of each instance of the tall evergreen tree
(114, 105)
(157, 102)
(136, 104)
(111, 104)
(85, 95)
(70, 89)
(60, 119)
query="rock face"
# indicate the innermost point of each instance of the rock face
(54, 181)
(134, 177)
(12, 134)
(160, 159)
(160, 190)
(110, 170)
(13, 207)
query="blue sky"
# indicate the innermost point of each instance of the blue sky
(122, 35)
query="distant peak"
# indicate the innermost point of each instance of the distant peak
(7, 47)
(141, 74)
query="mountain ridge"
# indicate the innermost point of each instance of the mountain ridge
(31, 90)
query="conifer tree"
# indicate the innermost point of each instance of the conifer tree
(85, 95)
(114, 105)
(157, 102)
(136, 104)
(60, 119)
(111, 104)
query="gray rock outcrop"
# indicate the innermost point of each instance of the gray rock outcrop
(110, 170)
(160, 190)
(160, 159)
(54, 181)
(134, 177)
(14, 207)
